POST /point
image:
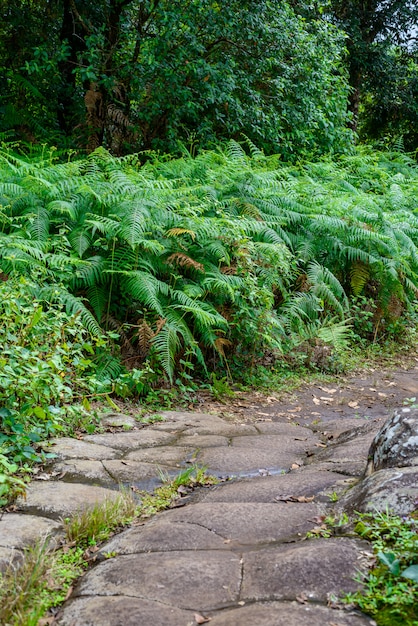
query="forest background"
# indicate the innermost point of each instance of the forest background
(196, 192)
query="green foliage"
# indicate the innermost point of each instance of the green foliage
(47, 362)
(42, 581)
(390, 592)
(192, 262)
(172, 75)
(162, 497)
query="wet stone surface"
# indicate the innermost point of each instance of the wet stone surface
(237, 552)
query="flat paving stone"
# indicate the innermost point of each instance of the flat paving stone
(118, 420)
(202, 424)
(249, 523)
(84, 471)
(171, 455)
(314, 568)
(195, 580)
(60, 499)
(349, 458)
(122, 611)
(144, 438)
(203, 441)
(128, 471)
(19, 531)
(268, 488)
(241, 460)
(283, 443)
(9, 557)
(288, 430)
(335, 428)
(161, 535)
(68, 448)
(289, 614)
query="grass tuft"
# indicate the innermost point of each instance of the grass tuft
(96, 524)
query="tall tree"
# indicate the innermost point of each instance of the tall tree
(372, 27)
(140, 74)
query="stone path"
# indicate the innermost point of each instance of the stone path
(236, 553)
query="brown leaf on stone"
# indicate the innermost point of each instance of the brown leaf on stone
(328, 390)
(302, 598)
(318, 519)
(201, 619)
(294, 498)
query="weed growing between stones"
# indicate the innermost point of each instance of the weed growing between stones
(44, 579)
(163, 497)
(96, 524)
(390, 592)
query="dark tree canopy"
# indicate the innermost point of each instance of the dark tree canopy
(380, 44)
(140, 74)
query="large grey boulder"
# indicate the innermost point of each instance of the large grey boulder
(391, 477)
(396, 443)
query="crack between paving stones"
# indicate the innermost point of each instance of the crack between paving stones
(203, 526)
(108, 473)
(157, 601)
(241, 582)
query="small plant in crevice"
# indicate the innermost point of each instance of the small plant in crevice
(390, 587)
(96, 524)
(173, 489)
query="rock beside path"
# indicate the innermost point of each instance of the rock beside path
(396, 443)
(391, 476)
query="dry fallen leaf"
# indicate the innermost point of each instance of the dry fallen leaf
(353, 405)
(294, 498)
(201, 619)
(321, 445)
(294, 466)
(302, 598)
(316, 400)
(327, 399)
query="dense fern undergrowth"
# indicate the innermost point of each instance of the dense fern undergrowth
(161, 269)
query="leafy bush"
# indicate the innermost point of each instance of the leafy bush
(47, 361)
(390, 592)
(226, 255)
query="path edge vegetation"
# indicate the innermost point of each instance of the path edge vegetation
(45, 576)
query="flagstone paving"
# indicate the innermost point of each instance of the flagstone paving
(236, 553)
